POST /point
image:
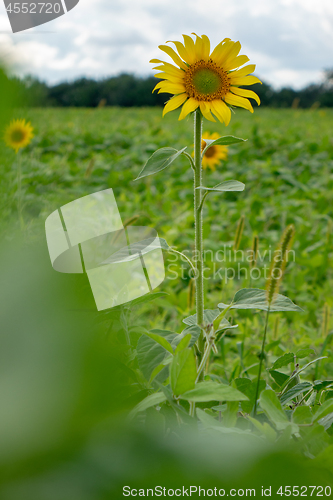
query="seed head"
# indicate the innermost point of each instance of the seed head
(239, 232)
(279, 263)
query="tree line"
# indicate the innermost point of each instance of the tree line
(128, 90)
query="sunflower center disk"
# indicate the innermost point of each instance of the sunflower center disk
(205, 81)
(211, 152)
(17, 136)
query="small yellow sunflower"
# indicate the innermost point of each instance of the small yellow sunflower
(18, 134)
(208, 81)
(214, 154)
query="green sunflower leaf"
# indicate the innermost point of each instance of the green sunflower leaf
(224, 325)
(227, 140)
(194, 330)
(160, 367)
(160, 340)
(184, 343)
(151, 353)
(225, 186)
(159, 160)
(255, 298)
(209, 316)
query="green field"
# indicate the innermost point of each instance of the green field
(287, 167)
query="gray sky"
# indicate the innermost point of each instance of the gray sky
(290, 41)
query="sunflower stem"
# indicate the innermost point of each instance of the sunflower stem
(199, 282)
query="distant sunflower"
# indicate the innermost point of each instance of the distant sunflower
(18, 134)
(214, 154)
(206, 81)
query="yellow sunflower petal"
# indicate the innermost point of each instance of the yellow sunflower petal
(170, 78)
(235, 50)
(221, 111)
(202, 47)
(190, 76)
(236, 100)
(235, 62)
(244, 80)
(174, 56)
(189, 106)
(171, 88)
(154, 61)
(172, 70)
(219, 48)
(158, 86)
(214, 154)
(243, 71)
(205, 110)
(190, 47)
(18, 134)
(205, 47)
(198, 47)
(207, 135)
(182, 51)
(245, 93)
(222, 152)
(174, 103)
(208, 163)
(227, 51)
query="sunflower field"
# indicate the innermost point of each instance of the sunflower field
(112, 403)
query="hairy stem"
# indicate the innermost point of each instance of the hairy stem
(199, 282)
(261, 361)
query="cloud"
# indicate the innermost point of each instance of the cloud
(289, 40)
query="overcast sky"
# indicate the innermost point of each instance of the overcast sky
(290, 41)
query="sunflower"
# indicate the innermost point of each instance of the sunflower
(206, 81)
(214, 154)
(18, 134)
